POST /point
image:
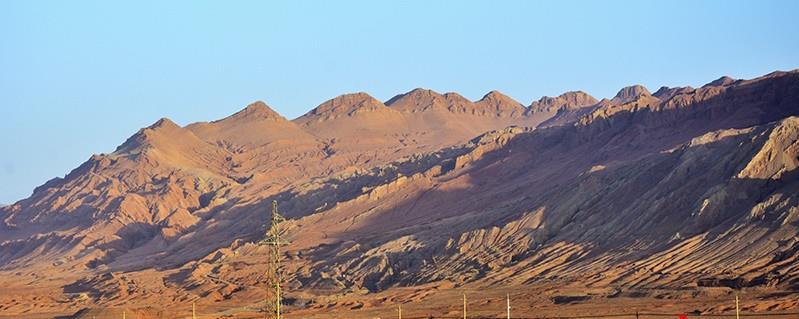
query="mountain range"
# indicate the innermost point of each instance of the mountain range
(682, 193)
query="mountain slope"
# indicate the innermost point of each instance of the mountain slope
(658, 196)
(682, 189)
(608, 183)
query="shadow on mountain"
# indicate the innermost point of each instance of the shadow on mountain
(611, 190)
(646, 196)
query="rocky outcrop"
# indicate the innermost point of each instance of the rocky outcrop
(564, 102)
(630, 93)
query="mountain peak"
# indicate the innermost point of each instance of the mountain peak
(416, 100)
(722, 81)
(157, 132)
(630, 93)
(500, 103)
(344, 106)
(417, 93)
(578, 97)
(422, 91)
(568, 100)
(255, 111)
(664, 92)
(347, 104)
(163, 123)
(495, 96)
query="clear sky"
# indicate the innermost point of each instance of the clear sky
(78, 78)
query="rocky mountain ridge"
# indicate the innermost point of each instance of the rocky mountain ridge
(679, 189)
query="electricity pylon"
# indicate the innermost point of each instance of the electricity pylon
(273, 240)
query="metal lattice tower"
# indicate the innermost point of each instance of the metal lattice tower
(273, 240)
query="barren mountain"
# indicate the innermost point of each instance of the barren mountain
(678, 194)
(562, 109)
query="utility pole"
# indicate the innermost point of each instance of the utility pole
(464, 305)
(399, 311)
(737, 311)
(507, 297)
(193, 311)
(273, 240)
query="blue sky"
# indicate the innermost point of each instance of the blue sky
(77, 78)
